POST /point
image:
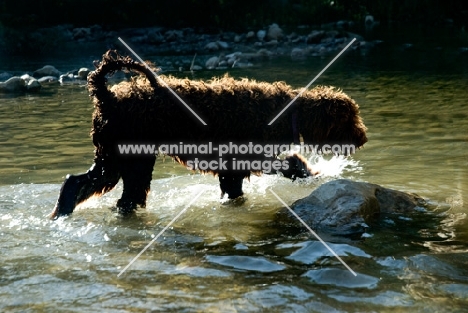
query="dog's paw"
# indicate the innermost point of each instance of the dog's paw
(298, 167)
(125, 207)
(235, 202)
(122, 212)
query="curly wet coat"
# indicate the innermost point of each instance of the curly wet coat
(143, 110)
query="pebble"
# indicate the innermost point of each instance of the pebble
(298, 53)
(47, 79)
(222, 44)
(33, 85)
(83, 73)
(275, 32)
(212, 63)
(212, 46)
(196, 68)
(47, 70)
(261, 34)
(66, 78)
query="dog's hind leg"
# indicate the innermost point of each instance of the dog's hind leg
(231, 183)
(77, 188)
(136, 175)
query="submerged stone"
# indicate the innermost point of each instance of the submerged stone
(248, 263)
(341, 278)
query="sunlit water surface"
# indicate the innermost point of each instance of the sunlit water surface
(243, 258)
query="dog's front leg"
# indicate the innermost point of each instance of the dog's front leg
(295, 166)
(77, 188)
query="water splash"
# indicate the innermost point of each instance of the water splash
(335, 166)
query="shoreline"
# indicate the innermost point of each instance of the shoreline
(190, 49)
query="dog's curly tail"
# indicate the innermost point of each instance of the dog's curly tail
(113, 62)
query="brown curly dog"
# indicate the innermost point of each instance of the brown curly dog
(143, 111)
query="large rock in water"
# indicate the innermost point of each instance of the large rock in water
(13, 84)
(343, 207)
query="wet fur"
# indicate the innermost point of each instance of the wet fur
(143, 111)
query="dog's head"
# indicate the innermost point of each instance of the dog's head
(328, 117)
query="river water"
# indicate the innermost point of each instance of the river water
(224, 258)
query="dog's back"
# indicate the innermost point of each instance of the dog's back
(235, 110)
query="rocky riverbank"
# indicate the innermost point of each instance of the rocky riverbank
(188, 49)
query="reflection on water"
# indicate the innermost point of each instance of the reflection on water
(217, 257)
